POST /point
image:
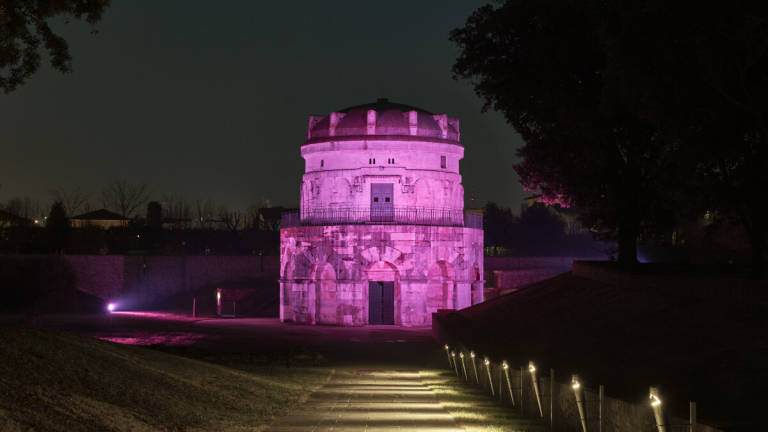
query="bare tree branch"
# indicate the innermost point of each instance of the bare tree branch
(124, 198)
(75, 201)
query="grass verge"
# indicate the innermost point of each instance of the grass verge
(53, 381)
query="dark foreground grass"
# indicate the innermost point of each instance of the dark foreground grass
(53, 381)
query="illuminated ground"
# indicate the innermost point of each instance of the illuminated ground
(414, 400)
(340, 345)
(371, 400)
(385, 378)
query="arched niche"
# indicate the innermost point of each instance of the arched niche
(326, 297)
(300, 267)
(381, 271)
(441, 279)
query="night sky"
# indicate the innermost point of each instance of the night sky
(210, 100)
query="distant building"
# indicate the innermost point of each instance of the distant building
(102, 218)
(10, 219)
(381, 236)
(176, 223)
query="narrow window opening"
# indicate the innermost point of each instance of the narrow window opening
(322, 163)
(442, 161)
(374, 161)
(386, 199)
(376, 199)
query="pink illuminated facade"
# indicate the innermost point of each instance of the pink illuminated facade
(381, 236)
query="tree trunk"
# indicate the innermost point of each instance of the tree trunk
(628, 246)
(758, 257)
(628, 218)
(757, 242)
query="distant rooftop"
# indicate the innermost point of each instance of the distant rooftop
(101, 214)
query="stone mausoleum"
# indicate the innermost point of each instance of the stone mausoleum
(381, 236)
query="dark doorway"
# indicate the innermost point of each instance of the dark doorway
(381, 303)
(382, 202)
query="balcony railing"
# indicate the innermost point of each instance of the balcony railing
(382, 216)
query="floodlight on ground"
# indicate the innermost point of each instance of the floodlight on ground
(505, 367)
(474, 366)
(111, 307)
(488, 369)
(658, 411)
(578, 392)
(532, 370)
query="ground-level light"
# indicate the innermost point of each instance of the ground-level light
(111, 307)
(532, 370)
(474, 366)
(658, 411)
(463, 365)
(505, 366)
(578, 392)
(487, 363)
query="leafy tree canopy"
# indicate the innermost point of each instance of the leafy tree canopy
(627, 109)
(25, 32)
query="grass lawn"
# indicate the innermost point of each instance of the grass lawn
(62, 382)
(473, 408)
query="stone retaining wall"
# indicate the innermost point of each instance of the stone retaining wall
(147, 279)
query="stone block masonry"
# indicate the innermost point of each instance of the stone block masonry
(322, 283)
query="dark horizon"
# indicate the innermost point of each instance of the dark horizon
(213, 103)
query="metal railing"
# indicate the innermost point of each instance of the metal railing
(392, 215)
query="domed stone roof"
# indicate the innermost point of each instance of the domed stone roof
(390, 120)
(384, 104)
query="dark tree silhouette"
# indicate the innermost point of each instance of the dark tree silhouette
(124, 198)
(75, 200)
(549, 67)
(57, 227)
(25, 32)
(154, 215)
(498, 223)
(713, 99)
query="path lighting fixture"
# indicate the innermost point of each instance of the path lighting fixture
(448, 353)
(488, 369)
(505, 367)
(455, 366)
(532, 370)
(474, 366)
(578, 391)
(463, 366)
(658, 411)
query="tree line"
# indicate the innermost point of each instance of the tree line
(167, 226)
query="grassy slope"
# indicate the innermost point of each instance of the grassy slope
(58, 381)
(630, 339)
